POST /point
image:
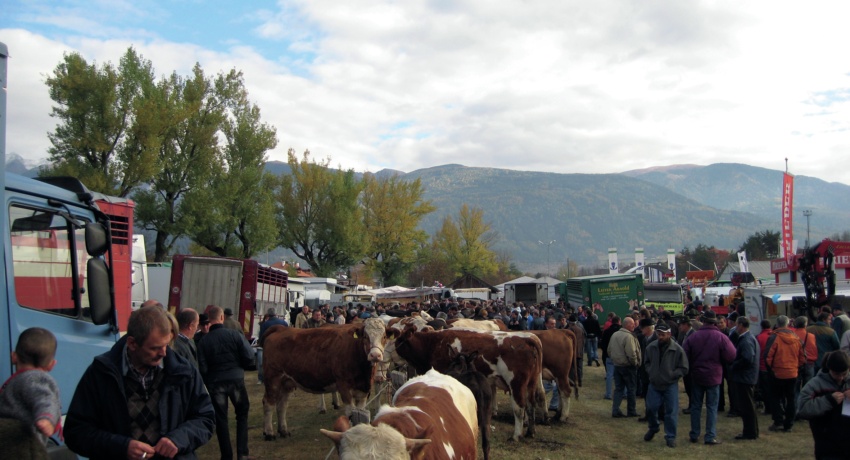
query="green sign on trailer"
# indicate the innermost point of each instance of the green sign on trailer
(614, 293)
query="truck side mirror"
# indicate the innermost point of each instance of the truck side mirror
(97, 243)
(100, 299)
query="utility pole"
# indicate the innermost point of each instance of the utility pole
(548, 245)
(807, 213)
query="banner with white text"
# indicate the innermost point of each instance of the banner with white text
(788, 216)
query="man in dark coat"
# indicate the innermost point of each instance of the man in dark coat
(609, 365)
(184, 343)
(223, 356)
(666, 363)
(744, 375)
(128, 391)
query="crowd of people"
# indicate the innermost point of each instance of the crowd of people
(790, 370)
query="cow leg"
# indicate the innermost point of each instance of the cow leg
(519, 415)
(271, 402)
(564, 404)
(282, 427)
(322, 408)
(334, 400)
(484, 417)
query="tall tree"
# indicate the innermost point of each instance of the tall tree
(392, 211)
(762, 245)
(320, 218)
(189, 153)
(109, 126)
(465, 246)
(234, 215)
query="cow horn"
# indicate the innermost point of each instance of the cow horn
(413, 444)
(334, 436)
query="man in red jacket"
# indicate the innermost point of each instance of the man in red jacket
(784, 356)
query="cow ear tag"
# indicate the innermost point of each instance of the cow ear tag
(355, 336)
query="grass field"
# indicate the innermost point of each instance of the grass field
(591, 433)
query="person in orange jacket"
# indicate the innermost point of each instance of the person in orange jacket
(784, 356)
(810, 347)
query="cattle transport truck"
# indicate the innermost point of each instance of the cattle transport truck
(613, 293)
(530, 293)
(57, 269)
(246, 286)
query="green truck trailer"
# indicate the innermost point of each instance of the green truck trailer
(614, 293)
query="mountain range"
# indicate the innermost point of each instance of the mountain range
(583, 215)
(658, 208)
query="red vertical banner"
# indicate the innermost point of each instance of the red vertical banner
(788, 216)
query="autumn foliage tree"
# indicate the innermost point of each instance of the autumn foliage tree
(465, 246)
(319, 217)
(392, 211)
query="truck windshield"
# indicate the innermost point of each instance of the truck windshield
(44, 261)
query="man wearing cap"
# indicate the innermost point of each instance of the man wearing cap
(229, 322)
(203, 327)
(743, 376)
(821, 403)
(665, 363)
(708, 350)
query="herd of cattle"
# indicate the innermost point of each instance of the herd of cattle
(436, 415)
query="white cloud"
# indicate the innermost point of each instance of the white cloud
(561, 86)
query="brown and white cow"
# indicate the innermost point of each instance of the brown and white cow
(320, 360)
(474, 324)
(432, 417)
(512, 361)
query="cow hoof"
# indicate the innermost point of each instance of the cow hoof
(284, 434)
(269, 437)
(336, 406)
(512, 440)
(322, 411)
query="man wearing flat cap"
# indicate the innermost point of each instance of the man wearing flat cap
(665, 363)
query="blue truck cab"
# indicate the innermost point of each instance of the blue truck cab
(55, 264)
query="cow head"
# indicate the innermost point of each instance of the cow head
(397, 335)
(374, 339)
(460, 362)
(367, 442)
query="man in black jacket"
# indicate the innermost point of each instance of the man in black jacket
(223, 356)
(128, 391)
(609, 365)
(744, 374)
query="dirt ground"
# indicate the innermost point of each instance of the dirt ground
(590, 433)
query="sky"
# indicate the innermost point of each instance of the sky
(559, 86)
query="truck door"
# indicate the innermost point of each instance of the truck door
(542, 292)
(45, 278)
(510, 294)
